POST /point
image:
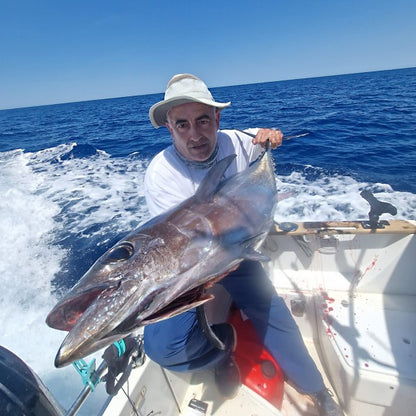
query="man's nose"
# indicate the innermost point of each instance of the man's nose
(194, 132)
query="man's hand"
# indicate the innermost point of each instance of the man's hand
(274, 136)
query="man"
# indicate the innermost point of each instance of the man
(192, 117)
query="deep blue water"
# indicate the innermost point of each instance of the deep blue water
(90, 157)
(362, 125)
(71, 178)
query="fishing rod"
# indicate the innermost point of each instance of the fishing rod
(284, 137)
(91, 377)
(118, 358)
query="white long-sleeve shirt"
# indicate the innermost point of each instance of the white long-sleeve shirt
(169, 180)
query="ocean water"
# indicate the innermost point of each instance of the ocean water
(71, 183)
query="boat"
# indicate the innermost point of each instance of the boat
(351, 287)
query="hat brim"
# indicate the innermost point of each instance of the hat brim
(158, 112)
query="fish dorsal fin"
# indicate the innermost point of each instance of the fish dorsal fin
(212, 179)
(260, 156)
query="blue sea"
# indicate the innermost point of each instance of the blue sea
(71, 182)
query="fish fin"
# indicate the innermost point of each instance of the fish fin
(254, 255)
(204, 298)
(249, 253)
(210, 183)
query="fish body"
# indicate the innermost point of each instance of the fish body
(161, 269)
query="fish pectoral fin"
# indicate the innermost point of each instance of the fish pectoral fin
(254, 255)
(249, 253)
(178, 310)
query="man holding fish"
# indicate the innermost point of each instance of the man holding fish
(192, 117)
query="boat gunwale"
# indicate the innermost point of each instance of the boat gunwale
(344, 227)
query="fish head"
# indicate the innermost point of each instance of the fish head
(126, 288)
(101, 281)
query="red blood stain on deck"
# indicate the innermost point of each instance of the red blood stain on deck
(368, 268)
(326, 297)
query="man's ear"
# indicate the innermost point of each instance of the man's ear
(168, 127)
(217, 118)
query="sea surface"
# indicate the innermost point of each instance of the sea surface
(71, 183)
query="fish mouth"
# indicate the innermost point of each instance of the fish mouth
(68, 316)
(67, 311)
(188, 300)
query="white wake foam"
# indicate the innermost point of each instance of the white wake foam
(41, 198)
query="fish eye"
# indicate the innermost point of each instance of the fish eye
(120, 253)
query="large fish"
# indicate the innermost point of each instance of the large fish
(162, 268)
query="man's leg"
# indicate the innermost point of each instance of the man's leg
(179, 344)
(255, 295)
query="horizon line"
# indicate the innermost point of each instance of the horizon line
(212, 87)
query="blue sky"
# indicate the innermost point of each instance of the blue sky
(54, 51)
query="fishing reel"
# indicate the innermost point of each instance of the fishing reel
(118, 356)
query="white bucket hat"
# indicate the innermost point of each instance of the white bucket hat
(181, 89)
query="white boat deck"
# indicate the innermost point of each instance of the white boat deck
(162, 392)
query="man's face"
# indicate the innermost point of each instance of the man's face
(193, 127)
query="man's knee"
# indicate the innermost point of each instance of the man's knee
(166, 342)
(155, 344)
